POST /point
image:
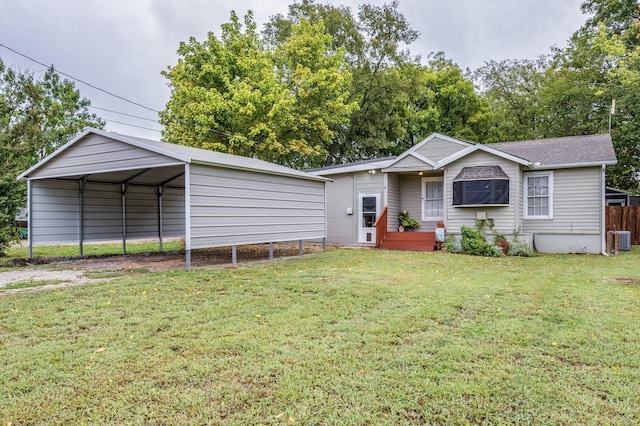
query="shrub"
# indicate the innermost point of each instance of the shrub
(473, 242)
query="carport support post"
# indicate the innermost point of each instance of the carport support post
(160, 219)
(123, 192)
(81, 184)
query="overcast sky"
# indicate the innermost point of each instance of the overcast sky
(123, 45)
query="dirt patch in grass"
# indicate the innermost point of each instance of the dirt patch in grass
(630, 281)
(68, 271)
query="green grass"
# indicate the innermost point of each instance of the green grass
(72, 250)
(29, 284)
(346, 337)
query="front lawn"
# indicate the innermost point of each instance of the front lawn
(345, 337)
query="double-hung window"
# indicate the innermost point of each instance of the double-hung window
(538, 195)
(432, 198)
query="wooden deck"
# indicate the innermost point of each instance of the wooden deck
(413, 241)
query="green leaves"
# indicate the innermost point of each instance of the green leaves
(36, 118)
(282, 105)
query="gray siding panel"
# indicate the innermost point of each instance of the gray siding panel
(577, 203)
(95, 154)
(394, 201)
(340, 225)
(505, 218)
(237, 207)
(437, 149)
(55, 212)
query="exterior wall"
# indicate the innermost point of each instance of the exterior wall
(409, 163)
(238, 207)
(95, 154)
(577, 208)
(411, 199)
(506, 218)
(394, 200)
(55, 212)
(340, 225)
(437, 149)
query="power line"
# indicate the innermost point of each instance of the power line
(79, 80)
(132, 125)
(123, 113)
(119, 97)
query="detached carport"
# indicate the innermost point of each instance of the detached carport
(104, 186)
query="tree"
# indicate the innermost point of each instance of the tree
(36, 118)
(235, 95)
(372, 40)
(602, 59)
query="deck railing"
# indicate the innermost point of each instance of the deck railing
(381, 227)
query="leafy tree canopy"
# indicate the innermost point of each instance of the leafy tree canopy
(37, 116)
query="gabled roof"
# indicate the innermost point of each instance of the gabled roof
(480, 147)
(481, 173)
(373, 164)
(571, 151)
(183, 154)
(413, 151)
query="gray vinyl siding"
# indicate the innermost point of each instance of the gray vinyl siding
(340, 225)
(238, 207)
(367, 183)
(411, 199)
(95, 154)
(577, 203)
(505, 218)
(394, 185)
(409, 163)
(437, 149)
(54, 212)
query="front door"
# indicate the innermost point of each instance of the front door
(368, 212)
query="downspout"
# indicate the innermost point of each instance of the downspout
(603, 223)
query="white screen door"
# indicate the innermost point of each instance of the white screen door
(368, 213)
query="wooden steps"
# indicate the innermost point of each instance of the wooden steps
(412, 241)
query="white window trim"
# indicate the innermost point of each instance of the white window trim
(424, 197)
(527, 175)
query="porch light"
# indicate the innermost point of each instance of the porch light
(372, 172)
(420, 173)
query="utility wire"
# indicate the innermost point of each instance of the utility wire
(123, 113)
(78, 80)
(132, 125)
(116, 96)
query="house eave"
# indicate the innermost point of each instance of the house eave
(534, 166)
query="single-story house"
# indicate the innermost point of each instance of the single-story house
(551, 192)
(105, 186)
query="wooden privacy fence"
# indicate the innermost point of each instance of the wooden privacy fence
(624, 219)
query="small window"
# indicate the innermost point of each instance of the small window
(481, 185)
(538, 195)
(432, 198)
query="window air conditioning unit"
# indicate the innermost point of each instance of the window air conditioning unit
(624, 240)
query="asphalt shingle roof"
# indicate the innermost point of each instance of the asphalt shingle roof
(561, 151)
(481, 173)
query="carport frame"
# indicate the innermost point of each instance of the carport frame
(177, 156)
